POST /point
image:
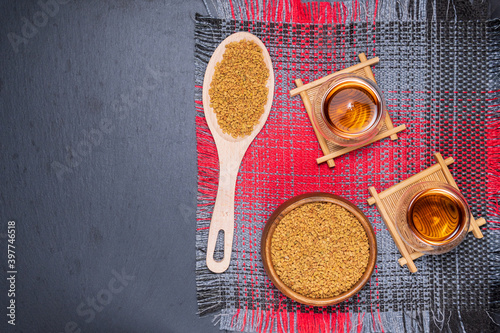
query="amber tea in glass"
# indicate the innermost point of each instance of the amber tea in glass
(432, 217)
(349, 110)
(436, 216)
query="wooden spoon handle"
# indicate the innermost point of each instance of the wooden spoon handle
(223, 218)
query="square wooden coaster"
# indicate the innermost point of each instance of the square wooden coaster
(308, 92)
(387, 201)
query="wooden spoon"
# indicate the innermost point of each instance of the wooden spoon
(231, 151)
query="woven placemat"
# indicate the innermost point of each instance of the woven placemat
(440, 79)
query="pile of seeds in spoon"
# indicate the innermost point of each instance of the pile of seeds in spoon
(238, 89)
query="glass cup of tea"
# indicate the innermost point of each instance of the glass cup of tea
(432, 217)
(349, 110)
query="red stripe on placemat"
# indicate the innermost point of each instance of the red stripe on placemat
(296, 11)
(232, 9)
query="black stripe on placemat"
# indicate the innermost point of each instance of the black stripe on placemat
(459, 84)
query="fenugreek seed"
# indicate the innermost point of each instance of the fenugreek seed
(319, 250)
(238, 89)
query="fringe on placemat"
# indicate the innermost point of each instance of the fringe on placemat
(334, 12)
(327, 12)
(282, 321)
(209, 285)
(493, 148)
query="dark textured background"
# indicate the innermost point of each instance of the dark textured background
(126, 198)
(129, 204)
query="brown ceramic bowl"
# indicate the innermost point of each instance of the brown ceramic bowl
(287, 207)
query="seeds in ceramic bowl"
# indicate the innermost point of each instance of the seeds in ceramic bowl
(320, 250)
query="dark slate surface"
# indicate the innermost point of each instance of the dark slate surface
(98, 166)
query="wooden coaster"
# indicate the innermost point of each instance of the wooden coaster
(308, 92)
(387, 201)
